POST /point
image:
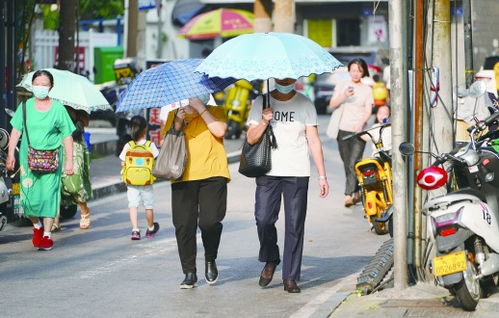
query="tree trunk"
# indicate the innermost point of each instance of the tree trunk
(67, 18)
(284, 16)
(263, 13)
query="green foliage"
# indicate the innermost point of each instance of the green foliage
(101, 9)
(50, 18)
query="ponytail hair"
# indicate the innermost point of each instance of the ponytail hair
(138, 127)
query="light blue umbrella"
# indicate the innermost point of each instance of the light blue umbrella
(170, 82)
(266, 55)
(73, 90)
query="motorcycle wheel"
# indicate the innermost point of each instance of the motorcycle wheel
(380, 228)
(68, 211)
(468, 290)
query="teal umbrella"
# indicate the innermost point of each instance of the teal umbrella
(72, 90)
(265, 55)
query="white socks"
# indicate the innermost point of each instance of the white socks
(38, 225)
(47, 234)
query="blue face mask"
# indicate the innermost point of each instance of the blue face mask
(40, 92)
(285, 89)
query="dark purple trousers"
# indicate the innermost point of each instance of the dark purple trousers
(269, 191)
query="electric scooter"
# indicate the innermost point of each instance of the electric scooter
(237, 106)
(374, 175)
(465, 221)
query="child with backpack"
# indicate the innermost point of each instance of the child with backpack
(137, 163)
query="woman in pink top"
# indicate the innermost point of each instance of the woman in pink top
(356, 100)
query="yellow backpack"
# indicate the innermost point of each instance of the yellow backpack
(139, 162)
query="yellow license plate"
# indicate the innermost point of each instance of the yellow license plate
(449, 264)
(15, 189)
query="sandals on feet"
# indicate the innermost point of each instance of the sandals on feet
(85, 221)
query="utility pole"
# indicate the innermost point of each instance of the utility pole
(132, 23)
(398, 91)
(442, 126)
(468, 43)
(262, 10)
(418, 121)
(67, 18)
(284, 16)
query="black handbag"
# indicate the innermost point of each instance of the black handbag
(255, 159)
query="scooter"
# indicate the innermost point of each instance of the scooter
(375, 179)
(5, 181)
(237, 106)
(465, 221)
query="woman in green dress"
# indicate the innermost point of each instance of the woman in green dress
(47, 124)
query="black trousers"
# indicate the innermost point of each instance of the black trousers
(202, 202)
(269, 191)
(351, 151)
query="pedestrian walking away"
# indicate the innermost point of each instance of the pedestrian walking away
(76, 188)
(294, 121)
(352, 102)
(200, 196)
(137, 160)
(46, 125)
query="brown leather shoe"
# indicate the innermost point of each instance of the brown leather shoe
(267, 273)
(348, 201)
(291, 287)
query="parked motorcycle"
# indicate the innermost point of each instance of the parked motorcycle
(5, 181)
(237, 106)
(375, 179)
(465, 221)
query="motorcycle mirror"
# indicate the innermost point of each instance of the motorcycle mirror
(406, 148)
(477, 89)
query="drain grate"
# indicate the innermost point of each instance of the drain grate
(377, 268)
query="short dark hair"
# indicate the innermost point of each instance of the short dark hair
(362, 64)
(41, 73)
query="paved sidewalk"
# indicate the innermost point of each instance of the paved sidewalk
(421, 300)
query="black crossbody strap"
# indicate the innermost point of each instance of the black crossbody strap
(24, 124)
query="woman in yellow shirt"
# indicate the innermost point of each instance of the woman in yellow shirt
(200, 197)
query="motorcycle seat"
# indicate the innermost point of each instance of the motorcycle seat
(471, 191)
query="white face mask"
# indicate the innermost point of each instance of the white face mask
(40, 92)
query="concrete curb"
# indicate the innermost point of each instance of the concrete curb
(119, 187)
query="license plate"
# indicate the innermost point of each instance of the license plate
(449, 264)
(473, 169)
(15, 189)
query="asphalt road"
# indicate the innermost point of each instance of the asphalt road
(102, 273)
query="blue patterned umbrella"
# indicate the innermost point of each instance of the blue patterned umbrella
(170, 82)
(265, 55)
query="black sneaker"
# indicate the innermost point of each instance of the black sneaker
(189, 281)
(211, 272)
(135, 235)
(150, 234)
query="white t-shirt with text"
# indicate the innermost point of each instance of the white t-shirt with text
(290, 119)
